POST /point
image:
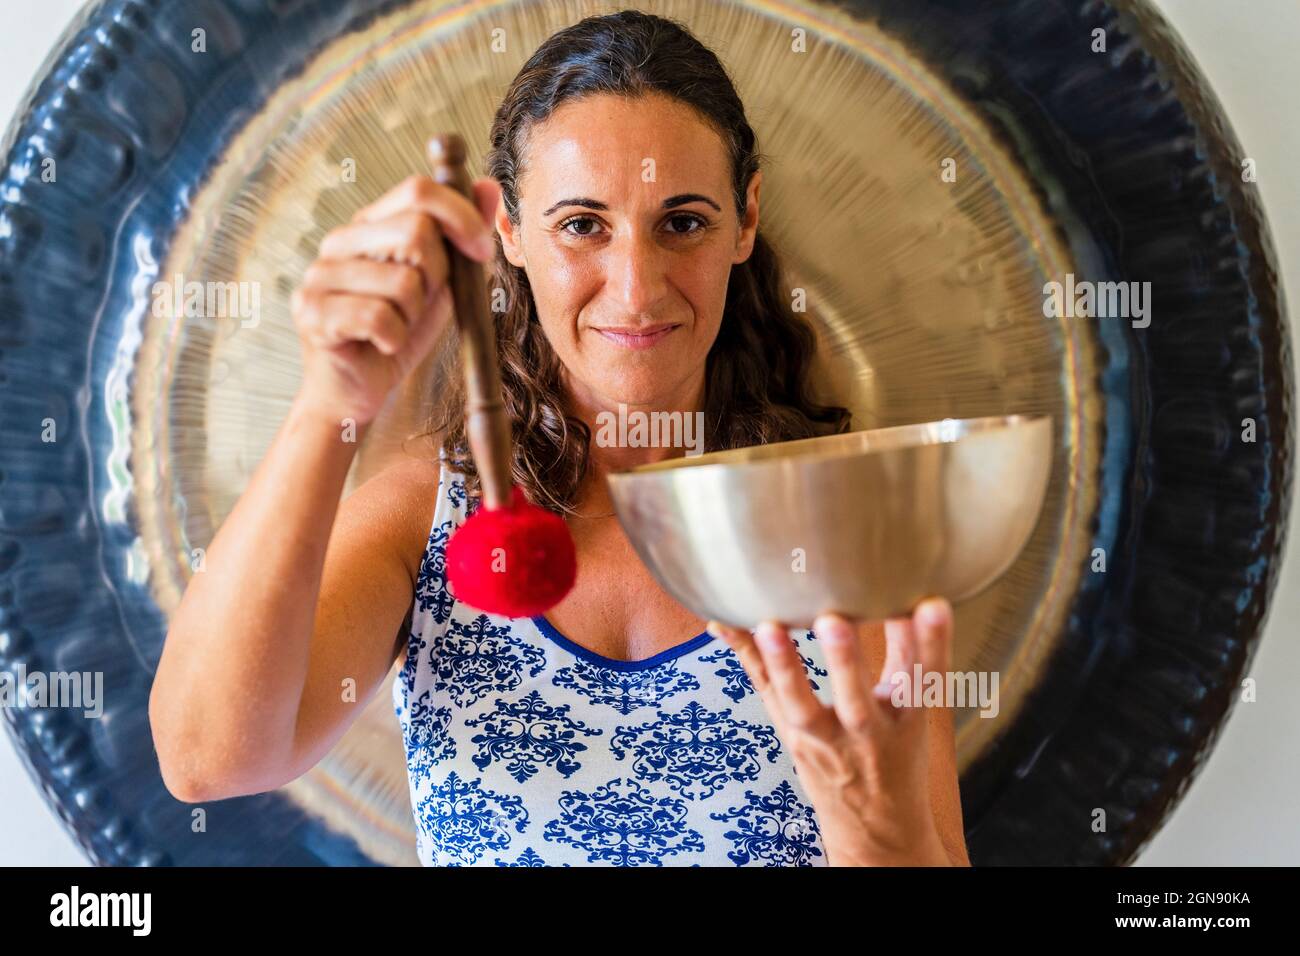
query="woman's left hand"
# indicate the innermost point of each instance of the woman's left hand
(864, 762)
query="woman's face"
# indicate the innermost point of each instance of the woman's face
(627, 226)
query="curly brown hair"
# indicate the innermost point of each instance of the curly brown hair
(757, 371)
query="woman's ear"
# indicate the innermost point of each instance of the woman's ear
(749, 224)
(511, 247)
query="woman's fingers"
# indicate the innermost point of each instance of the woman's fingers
(425, 333)
(919, 655)
(459, 217)
(742, 644)
(772, 660)
(926, 644)
(934, 626)
(328, 320)
(410, 238)
(896, 676)
(789, 678)
(851, 679)
(400, 284)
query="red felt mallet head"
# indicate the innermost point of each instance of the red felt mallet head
(517, 561)
(509, 557)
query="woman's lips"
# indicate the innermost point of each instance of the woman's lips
(634, 341)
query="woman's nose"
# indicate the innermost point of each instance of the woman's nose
(635, 272)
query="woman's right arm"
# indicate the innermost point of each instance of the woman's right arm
(288, 629)
(230, 684)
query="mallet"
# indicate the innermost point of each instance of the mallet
(510, 556)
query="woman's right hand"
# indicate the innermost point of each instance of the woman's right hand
(377, 297)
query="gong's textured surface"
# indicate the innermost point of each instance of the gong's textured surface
(1115, 166)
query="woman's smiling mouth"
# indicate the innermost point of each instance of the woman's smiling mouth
(635, 338)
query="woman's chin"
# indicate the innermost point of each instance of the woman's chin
(651, 394)
(636, 382)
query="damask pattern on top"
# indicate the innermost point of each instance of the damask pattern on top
(526, 749)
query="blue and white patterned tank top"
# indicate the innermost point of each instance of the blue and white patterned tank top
(525, 749)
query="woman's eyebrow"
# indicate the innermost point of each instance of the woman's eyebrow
(671, 202)
(683, 198)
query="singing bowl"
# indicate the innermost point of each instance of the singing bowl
(865, 523)
(932, 164)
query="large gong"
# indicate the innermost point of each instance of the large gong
(933, 165)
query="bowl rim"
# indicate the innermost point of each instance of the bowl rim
(888, 439)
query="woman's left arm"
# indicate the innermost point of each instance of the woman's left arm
(881, 774)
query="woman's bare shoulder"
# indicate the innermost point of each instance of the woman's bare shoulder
(403, 476)
(398, 502)
(408, 474)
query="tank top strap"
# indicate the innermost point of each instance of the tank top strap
(433, 600)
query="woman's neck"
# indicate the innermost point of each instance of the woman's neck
(612, 449)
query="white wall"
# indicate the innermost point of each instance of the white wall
(1242, 807)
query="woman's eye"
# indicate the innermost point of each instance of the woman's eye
(688, 220)
(577, 219)
(683, 224)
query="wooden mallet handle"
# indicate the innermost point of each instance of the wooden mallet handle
(486, 424)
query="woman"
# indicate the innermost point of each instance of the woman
(624, 189)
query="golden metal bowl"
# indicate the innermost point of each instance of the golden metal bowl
(865, 523)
